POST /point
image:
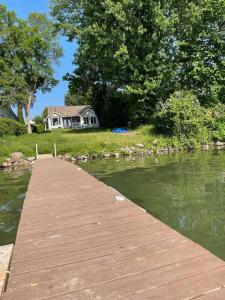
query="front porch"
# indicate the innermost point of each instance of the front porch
(71, 122)
(55, 122)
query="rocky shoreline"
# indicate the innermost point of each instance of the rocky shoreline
(138, 151)
(18, 159)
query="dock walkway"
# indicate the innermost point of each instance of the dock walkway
(78, 240)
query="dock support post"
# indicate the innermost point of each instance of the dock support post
(55, 149)
(36, 151)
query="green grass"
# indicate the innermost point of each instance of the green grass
(78, 142)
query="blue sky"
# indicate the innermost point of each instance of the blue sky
(56, 96)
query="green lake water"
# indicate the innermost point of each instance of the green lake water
(185, 191)
(13, 186)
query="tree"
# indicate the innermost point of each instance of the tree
(29, 48)
(144, 50)
(124, 47)
(45, 113)
(20, 113)
(38, 119)
(74, 99)
(200, 37)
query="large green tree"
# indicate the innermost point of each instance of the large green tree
(28, 50)
(144, 50)
(200, 36)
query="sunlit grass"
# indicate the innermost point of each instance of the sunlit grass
(79, 142)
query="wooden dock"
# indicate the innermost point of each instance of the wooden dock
(79, 239)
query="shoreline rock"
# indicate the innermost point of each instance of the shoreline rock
(17, 159)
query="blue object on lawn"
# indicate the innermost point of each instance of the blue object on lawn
(120, 130)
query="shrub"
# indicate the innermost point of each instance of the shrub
(182, 116)
(219, 132)
(218, 113)
(38, 128)
(11, 127)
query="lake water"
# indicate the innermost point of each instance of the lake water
(185, 191)
(13, 186)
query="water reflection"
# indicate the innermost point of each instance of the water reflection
(13, 186)
(186, 191)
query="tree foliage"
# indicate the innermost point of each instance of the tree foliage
(11, 127)
(144, 50)
(183, 116)
(28, 50)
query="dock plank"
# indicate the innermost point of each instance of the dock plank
(76, 241)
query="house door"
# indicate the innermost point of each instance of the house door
(65, 123)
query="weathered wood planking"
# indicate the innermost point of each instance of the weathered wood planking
(5, 257)
(76, 241)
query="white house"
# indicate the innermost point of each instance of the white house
(7, 112)
(71, 117)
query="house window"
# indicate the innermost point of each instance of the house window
(86, 120)
(55, 121)
(76, 120)
(93, 120)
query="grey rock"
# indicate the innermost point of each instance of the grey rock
(107, 155)
(16, 156)
(21, 162)
(6, 164)
(205, 147)
(149, 152)
(82, 157)
(126, 151)
(140, 145)
(9, 160)
(31, 159)
(170, 149)
(219, 144)
(67, 157)
(159, 151)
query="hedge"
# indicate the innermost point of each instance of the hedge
(11, 127)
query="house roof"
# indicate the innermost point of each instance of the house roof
(7, 112)
(68, 111)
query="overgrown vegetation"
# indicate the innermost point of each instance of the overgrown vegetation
(183, 118)
(11, 127)
(38, 127)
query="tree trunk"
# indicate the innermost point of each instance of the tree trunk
(27, 112)
(20, 113)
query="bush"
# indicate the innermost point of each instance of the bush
(38, 128)
(11, 127)
(181, 116)
(218, 113)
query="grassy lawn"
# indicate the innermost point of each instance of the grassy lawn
(79, 142)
